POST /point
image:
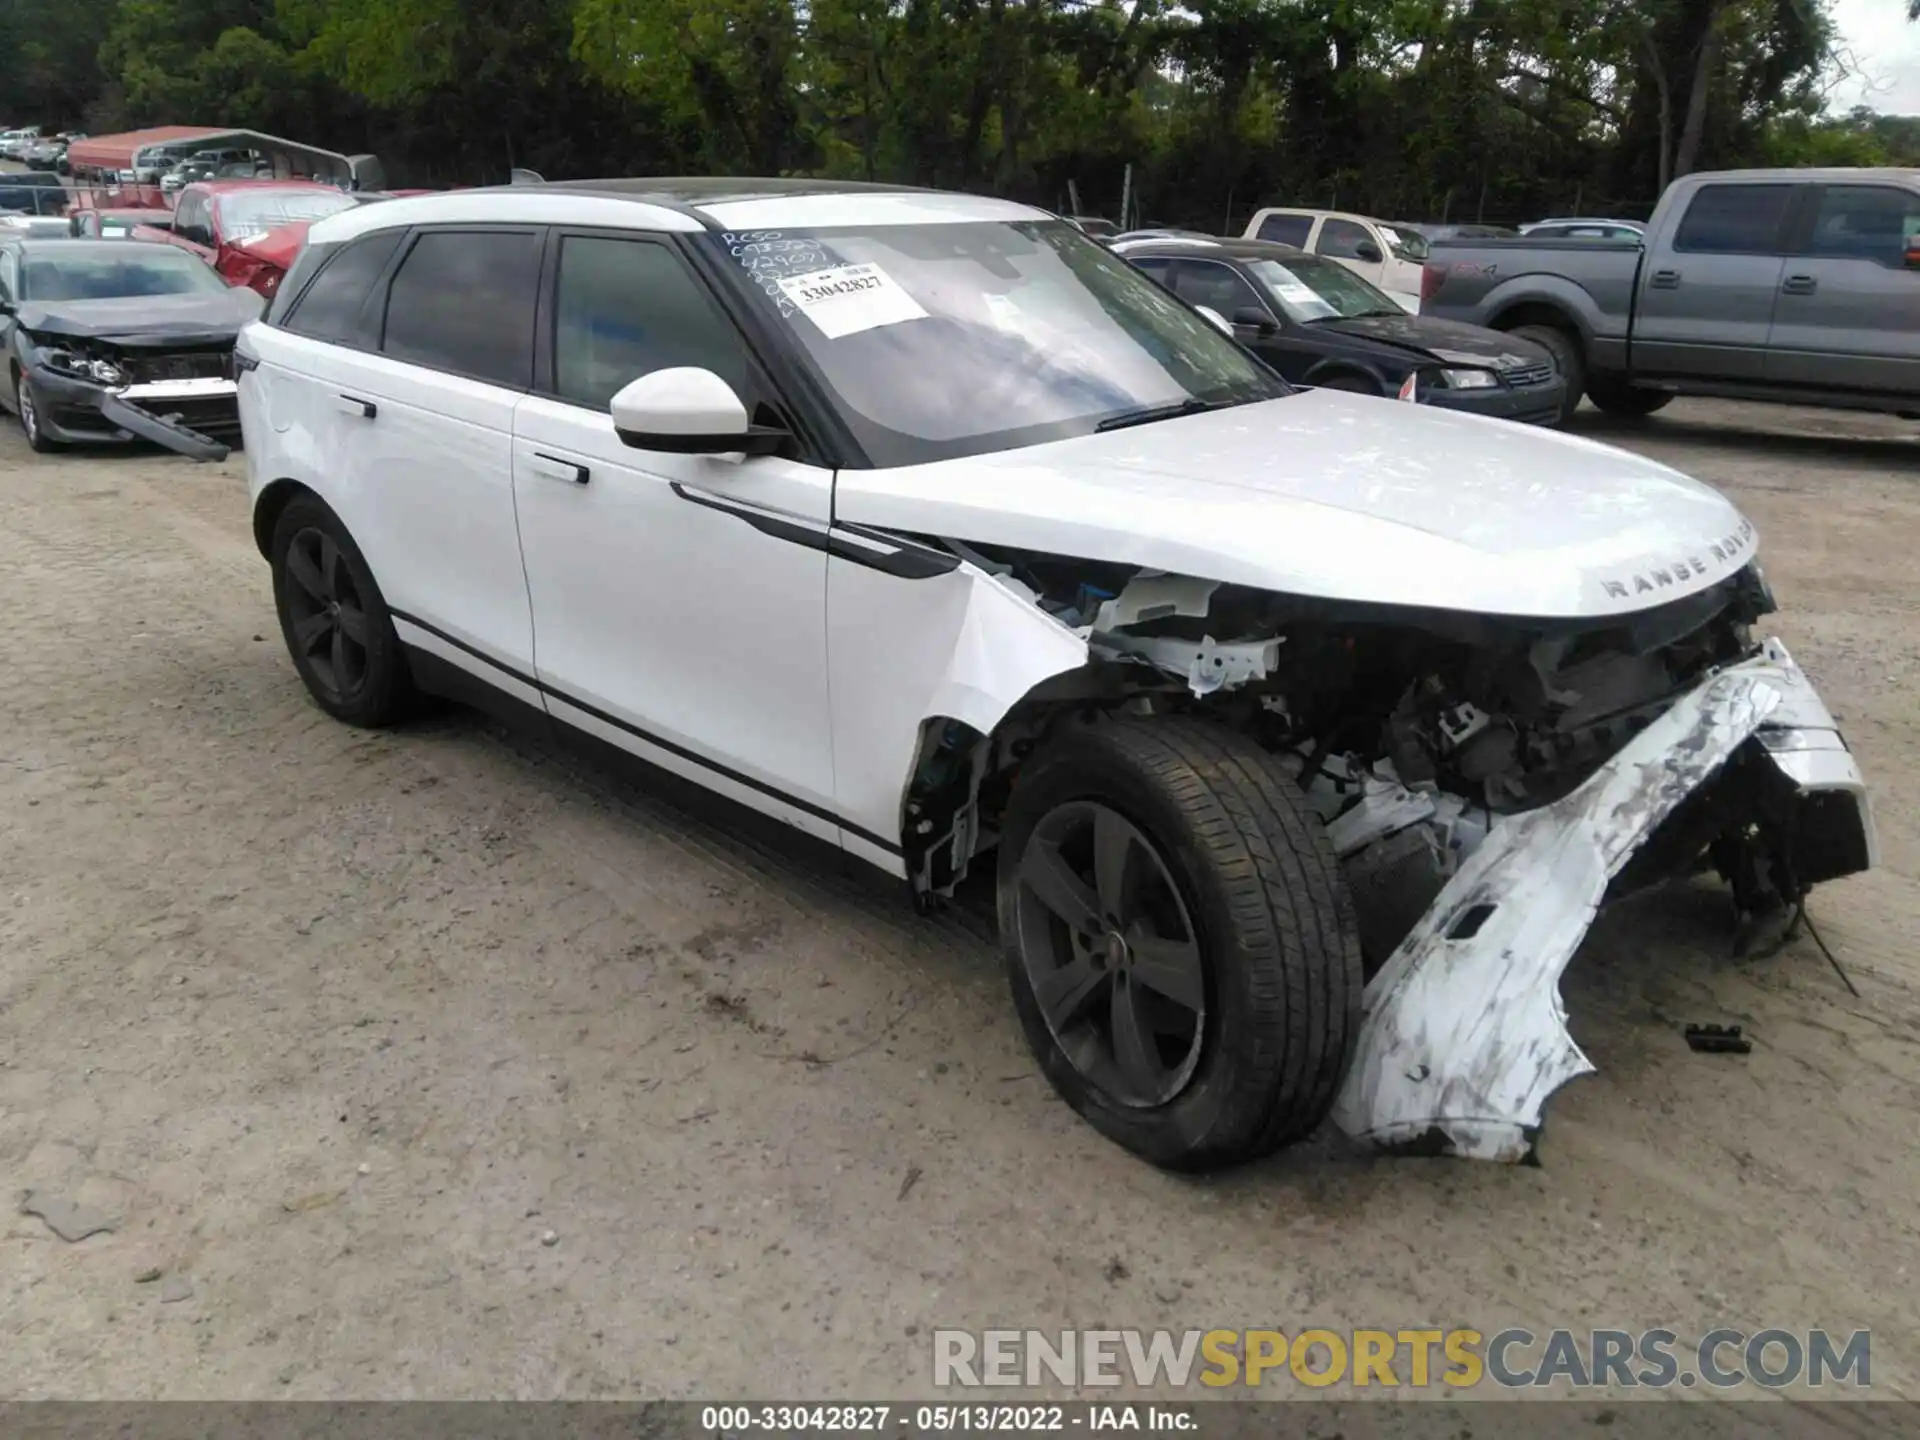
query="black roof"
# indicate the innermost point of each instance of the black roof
(1211, 245)
(719, 189)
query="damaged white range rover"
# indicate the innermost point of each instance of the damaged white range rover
(1303, 733)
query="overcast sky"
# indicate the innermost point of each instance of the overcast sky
(1886, 54)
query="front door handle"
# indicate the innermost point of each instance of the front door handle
(555, 468)
(354, 405)
(1666, 280)
(1799, 285)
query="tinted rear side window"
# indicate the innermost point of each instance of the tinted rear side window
(1286, 229)
(330, 307)
(462, 301)
(1736, 220)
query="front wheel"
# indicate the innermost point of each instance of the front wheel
(1567, 359)
(334, 619)
(1183, 953)
(28, 404)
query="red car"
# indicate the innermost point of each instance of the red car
(221, 221)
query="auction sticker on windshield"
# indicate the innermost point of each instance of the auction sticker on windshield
(1290, 288)
(850, 298)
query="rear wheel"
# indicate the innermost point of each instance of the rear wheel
(1616, 397)
(1567, 359)
(1182, 951)
(334, 620)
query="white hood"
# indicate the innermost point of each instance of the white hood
(1343, 497)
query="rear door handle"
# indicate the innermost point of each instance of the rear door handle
(1666, 280)
(354, 405)
(555, 468)
(1799, 285)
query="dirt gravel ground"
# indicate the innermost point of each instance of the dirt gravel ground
(429, 1063)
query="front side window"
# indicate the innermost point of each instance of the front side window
(1342, 240)
(330, 308)
(938, 340)
(1287, 229)
(114, 272)
(462, 301)
(190, 220)
(1216, 286)
(1407, 243)
(1865, 222)
(625, 308)
(1735, 220)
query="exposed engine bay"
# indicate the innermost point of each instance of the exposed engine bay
(1486, 784)
(1412, 733)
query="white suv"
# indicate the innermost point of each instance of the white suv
(925, 526)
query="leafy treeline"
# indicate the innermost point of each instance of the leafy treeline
(1420, 109)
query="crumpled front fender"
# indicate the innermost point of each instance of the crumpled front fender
(1464, 1035)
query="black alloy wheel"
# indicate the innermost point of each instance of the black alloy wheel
(1182, 952)
(329, 619)
(1112, 954)
(335, 620)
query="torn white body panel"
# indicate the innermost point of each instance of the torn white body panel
(1206, 665)
(959, 645)
(1464, 1039)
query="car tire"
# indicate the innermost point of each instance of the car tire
(1354, 384)
(338, 630)
(1224, 871)
(1567, 359)
(27, 410)
(1616, 397)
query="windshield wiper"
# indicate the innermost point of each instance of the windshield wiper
(1192, 405)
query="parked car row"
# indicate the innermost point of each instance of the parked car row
(1318, 323)
(119, 315)
(33, 192)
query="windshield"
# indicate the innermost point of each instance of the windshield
(122, 271)
(1307, 288)
(247, 213)
(1407, 243)
(945, 340)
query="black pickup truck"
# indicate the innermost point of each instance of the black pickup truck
(1800, 286)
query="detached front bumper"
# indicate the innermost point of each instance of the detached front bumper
(174, 413)
(1464, 1035)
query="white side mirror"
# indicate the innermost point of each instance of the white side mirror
(688, 411)
(1219, 320)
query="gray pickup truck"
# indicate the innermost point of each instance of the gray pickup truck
(1800, 286)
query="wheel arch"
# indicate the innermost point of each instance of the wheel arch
(963, 771)
(1554, 307)
(1335, 369)
(268, 507)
